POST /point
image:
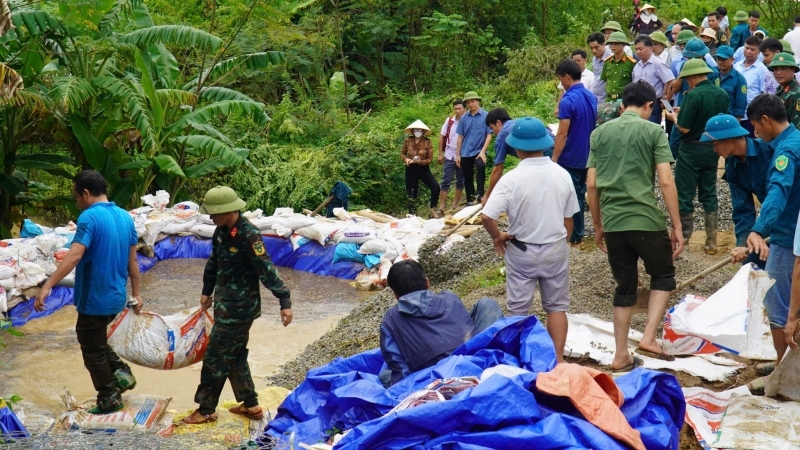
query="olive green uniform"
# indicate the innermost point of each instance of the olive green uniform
(617, 75)
(238, 261)
(696, 167)
(790, 96)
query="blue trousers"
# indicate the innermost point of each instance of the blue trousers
(484, 313)
(579, 181)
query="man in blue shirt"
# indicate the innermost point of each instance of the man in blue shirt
(747, 162)
(732, 81)
(600, 53)
(425, 327)
(576, 122)
(780, 209)
(473, 140)
(104, 252)
(754, 72)
(502, 124)
(651, 69)
(745, 30)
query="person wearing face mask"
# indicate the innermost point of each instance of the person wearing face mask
(417, 155)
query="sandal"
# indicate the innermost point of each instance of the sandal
(662, 356)
(438, 214)
(206, 418)
(242, 410)
(758, 386)
(765, 369)
(637, 362)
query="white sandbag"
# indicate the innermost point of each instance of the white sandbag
(157, 342)
(140, 224)
(734, 317)
(297, 221)
(393, 249)
(9, 283)
(265, 223)
(3, 303)
(203, 230)
(153, 227)
(158, 201)
(251, 215)
(283, 212)
(67, 229)
(412, 249)
(29, 274)
(449, 243)
(141, 412)
(298, 241)
(205, 219)
(282, 230)
(322, 231)
(186, 206)
(179, 225)
(466, 212)
(7, 271)
(433, 226)
(759, 423)
(342, 214)
(373, 246)
(358, 233)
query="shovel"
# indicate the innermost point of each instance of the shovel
(643, 297)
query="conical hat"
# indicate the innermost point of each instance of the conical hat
(418, 125)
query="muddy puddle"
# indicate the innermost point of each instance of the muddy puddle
(47, 360)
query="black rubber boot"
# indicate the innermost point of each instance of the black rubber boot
(711, 232)
(687, 224)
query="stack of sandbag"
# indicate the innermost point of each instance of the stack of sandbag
(24, 263)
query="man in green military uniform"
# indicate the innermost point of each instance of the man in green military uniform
(238, 261)
(696, 168)
(617, 73)
(784, 67)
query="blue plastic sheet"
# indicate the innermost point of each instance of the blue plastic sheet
(30, 229)
(59, 298)
(10, 426)
(499, 413)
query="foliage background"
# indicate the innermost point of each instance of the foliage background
(404, 60)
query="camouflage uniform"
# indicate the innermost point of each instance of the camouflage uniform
(790, 96)
(238, 261)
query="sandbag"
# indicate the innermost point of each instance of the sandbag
(283, 212)
(179, 225)
(29, 274)
(358, 233)
(203, 230)
(322, 231)
(157, 342)
(158, 201)
(297, 221)
(6, 271)
(373, 246)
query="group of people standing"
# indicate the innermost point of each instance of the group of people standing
(732, 91)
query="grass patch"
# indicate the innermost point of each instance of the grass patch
(480, 279)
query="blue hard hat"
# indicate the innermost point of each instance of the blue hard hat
(724, 51)
(529, 135)
(723, 126)
(695, 48)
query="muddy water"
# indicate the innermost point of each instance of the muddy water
(47, 360)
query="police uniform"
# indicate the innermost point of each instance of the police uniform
(616, 75)
(237, 263)
(696, 167)
(746, 177)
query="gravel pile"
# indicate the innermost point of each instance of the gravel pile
(591, 291)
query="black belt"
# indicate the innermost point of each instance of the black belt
(522, 246)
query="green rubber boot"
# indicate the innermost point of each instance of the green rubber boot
(124, 379)
(711, 233)
(687, 224)
(107, 406)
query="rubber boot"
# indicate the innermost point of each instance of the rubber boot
(711, 232)
(687, 224)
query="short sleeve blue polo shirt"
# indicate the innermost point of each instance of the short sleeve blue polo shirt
(580, 107)
(474, 130)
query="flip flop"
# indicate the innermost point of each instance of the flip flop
(662, 356)
(765, 369)
(637, 362)
(242, 410)
(206, 418)
(758, 386)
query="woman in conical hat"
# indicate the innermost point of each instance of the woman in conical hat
(417, 155)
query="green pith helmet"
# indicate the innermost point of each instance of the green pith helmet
(787, 47)
(694, 67)
(783, 60)
(617, 37)
(684, 36)
(659, 37)
(740, 16)
(472, 95)
(220, 200)
(612, 25)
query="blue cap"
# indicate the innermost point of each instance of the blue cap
(724, 51)
(529, 135)
(723, 126)
(695, 48)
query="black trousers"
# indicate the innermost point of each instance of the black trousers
(415, 174)
(99, 359)
(469, 166)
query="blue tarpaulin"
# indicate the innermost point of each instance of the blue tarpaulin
(499, 413)
(10, 426)
(311, 257)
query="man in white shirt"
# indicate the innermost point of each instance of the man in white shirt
(723, 21)
(540, 200)
(794, 36)
(447, 156)
(587, 76)
(755, 73)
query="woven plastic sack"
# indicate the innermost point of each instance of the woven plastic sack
(165, 343)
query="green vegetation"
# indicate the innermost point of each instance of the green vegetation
(158, 94)
(487, 277)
